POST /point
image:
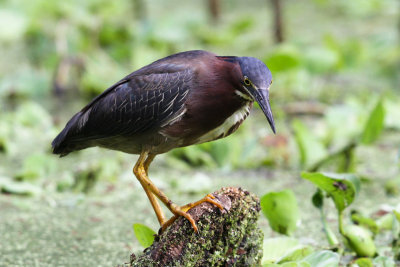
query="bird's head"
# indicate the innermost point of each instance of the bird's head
(255, 83)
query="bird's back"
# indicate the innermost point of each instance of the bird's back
(133, 108)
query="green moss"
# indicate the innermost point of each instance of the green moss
(229, 238)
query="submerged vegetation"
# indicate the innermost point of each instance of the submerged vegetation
(329, 180)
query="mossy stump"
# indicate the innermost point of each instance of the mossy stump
(228, 237)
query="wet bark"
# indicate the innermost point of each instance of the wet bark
(229, 237)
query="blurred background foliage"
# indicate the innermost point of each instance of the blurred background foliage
(335, 95)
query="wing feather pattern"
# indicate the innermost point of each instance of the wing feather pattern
(144, 100)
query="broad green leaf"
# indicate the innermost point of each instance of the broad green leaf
(310, 148)
(341, 187)
(296, 254)
(241, 25)
(359, 240)
(374, 125)
(382, 261)
(283, 59)
(281, 210)
(323, 258)
(144, 234)
(364, 262)
(276, 248)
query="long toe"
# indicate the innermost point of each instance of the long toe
(209, 198)
(182, 211)
(179, 212)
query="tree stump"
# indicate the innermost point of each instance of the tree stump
(228, 237)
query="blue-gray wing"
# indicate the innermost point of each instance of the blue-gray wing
(144, 100)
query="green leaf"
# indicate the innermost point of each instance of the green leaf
(310, 148)
(281, 210)
(296, 254)
(364, 262)
(276, 248)
(283, 59)
(374, 125)
(364, 221)
(341, 187)
(144, 234)
(323, 258)
(318, 199)
(359, 240)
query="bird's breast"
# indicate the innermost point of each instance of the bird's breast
(230, 125)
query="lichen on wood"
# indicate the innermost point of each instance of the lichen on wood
(228, 237)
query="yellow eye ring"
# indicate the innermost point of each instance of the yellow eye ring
(246, 81)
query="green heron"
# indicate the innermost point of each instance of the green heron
(184, 99)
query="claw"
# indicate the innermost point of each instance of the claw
(209, 198)
(179, 212)
(182, 211)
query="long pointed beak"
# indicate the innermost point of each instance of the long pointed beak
(262, 98)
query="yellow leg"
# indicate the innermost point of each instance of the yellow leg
(153, 200)
(140, 172)
(147, 162)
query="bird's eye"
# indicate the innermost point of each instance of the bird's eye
(246, 81)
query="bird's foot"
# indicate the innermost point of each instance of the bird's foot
(209, 198)
(182, 211)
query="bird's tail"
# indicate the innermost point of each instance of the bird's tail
(64, 144)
